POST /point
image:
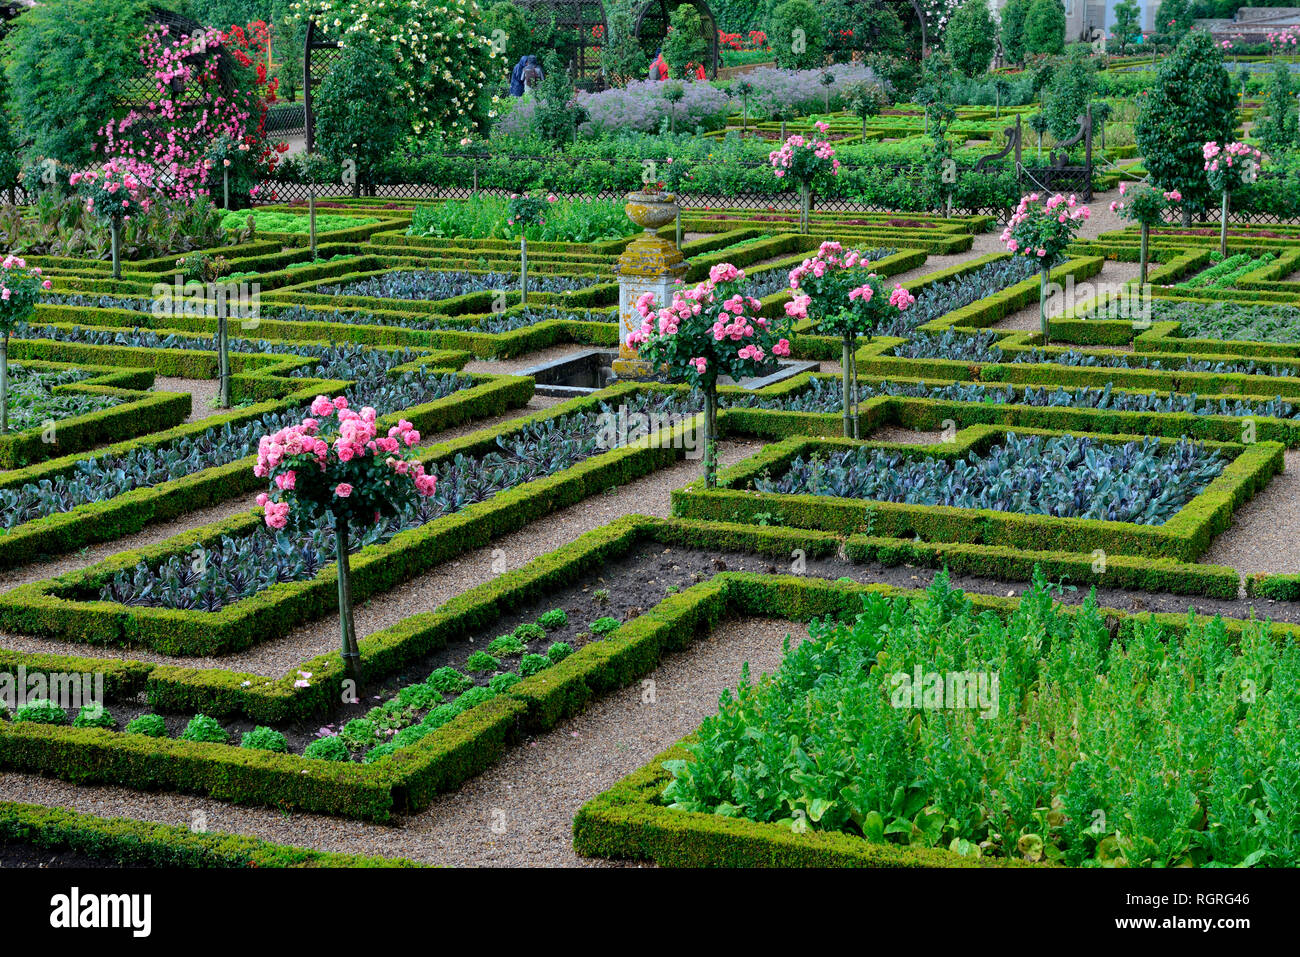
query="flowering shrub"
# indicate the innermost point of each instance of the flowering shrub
(1146, 206)
(117, 190)
(1231, 164)
(191, 109)
(707, 332)
(528, 209)
(834, 291)
(445, 62)
(1144, 203)
(20, 288)
(1044, 231)
(642, 105)
(805, 160)
(358, 476)
(777, 91)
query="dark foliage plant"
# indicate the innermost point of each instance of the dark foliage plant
(1065, 476)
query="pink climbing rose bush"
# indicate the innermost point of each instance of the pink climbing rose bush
(354, 473)
(1044, 229)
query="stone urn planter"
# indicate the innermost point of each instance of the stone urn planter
(651, 210)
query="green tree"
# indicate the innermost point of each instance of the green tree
(969, 38)
(361, 118)
(1045, 28)
(1278, 130)
(797, 38)
(622, 58)
(685, 44)
(516, 30)
(1190, 103)
(67, 61)
(1174, 18)
(1128, 25)
(1014, 15)
(9, 165)
(1068, 94)
(861, 26)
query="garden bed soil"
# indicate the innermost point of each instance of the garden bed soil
(644, 577)
(23, 855)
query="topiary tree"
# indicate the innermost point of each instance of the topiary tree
(1045, 28)
(1038, 123)
(797, 36)
(360, 114)
(1068, 94)
(348, 479)
(1128, 25)
(1278, 130)
(969, 37)
(1174, 18)
(705, 333)
(1014, 15)
(67, 61)
(622, 58)
(685, 46)
(1190, 103)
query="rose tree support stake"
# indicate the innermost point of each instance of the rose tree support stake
(354, 476)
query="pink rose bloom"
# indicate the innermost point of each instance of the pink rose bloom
(343, 490)
(340, 402)
(322, 406)
(782, 348)
(345, 453)
(412, 437)
(425, 484)
(286, 480)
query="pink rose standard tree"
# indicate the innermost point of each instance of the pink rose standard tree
(1043, 230)
(355, 475)
(807, 162)
(707, 332)
(20, 288)
(840, 297)
(116, 191)
(1145, 205)
(1227, 167)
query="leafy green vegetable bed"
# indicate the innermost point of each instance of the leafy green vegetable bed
(1038, 737)
(268, 222)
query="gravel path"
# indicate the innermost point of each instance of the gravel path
(519, 812)
(648, 495)
(203, 391)
(1265, 532)
(1112, 277)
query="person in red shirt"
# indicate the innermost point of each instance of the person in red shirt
(659, 69)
